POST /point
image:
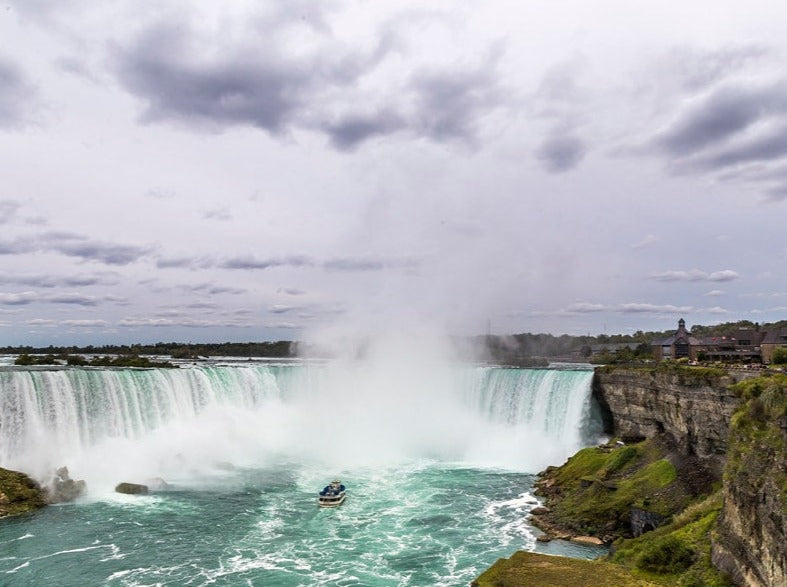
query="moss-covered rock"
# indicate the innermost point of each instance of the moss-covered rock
(19, 493)
(596, 489)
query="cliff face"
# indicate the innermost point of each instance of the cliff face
(751, 536)
(689, 409)
(738, 428)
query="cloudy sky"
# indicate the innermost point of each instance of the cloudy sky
(211, 171)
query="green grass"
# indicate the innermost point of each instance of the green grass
(678, 553)
(598, 487)
(528, 569)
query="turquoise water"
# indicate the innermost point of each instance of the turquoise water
(431, 499)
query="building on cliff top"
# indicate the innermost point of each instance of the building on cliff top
(773, 339)
(743, 345)
(677, 346)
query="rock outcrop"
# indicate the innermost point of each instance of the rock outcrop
(691, 408)
(19, 493)
(63, 488)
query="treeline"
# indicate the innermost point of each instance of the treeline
(177, 350)
(512, 349)
(98, 361)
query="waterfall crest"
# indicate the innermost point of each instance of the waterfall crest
(167, 421)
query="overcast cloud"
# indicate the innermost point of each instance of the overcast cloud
(248, 171)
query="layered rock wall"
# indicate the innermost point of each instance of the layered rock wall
(692, 411)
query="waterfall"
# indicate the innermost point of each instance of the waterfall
(113, 423)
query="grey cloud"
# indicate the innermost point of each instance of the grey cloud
(727, 111)
(16, 96)
(630, 308)
(50, 281)
(184, 262)
(237, 89)
(561, 152)
(291, 291)
(637, 308)
(74, 245)
(700, 69)
(42, 322)
(84, 323)
(16, 247)
(734, 126)
(767, 147)
(584, 308)
(68, 298)
(18, 299)
(213, 289)
(111, 254)
(367, 264)
(72, 298)
(255, 81)
(354, 129)
(281, 309)
(249, 262)
(187, 323)
(203, 306)
(696, 275)
(450, 103)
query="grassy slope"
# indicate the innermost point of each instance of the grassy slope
(593, 493)
(531, 569)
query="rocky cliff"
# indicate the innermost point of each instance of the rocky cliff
(691, 408)
(738, 428)
(750, 542)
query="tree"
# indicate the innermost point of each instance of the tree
(780, 356)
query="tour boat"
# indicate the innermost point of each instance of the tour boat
(332, 495)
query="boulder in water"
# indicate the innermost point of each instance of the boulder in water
(131, 488)
(63, 488)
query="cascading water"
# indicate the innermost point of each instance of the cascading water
(437, 463)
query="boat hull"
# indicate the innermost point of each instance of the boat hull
(332, 502)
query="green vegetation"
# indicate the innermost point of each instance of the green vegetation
(688, 375)
(528, 569)
(78, 361)
(779, 356)
(757, 440)
(594, 491)
(598, 486)
(677, 553)
(18, 494)
(25, 359)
